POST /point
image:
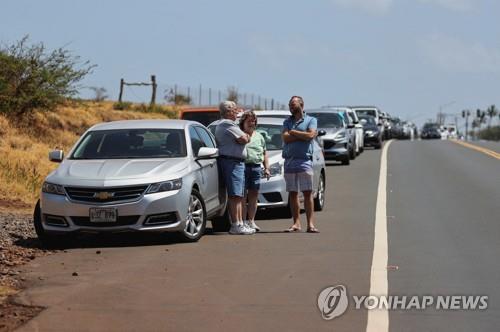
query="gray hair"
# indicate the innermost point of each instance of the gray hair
(226, 106)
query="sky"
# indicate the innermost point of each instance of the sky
(408, 57)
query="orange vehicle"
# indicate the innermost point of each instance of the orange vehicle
(204, 115)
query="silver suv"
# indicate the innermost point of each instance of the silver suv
(137, 175)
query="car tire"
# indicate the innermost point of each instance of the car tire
(378, 145)
(49, 241)
(352, 154)
(196, 220)
(346, 160)
(319, 201)
(285, 211)
(222, 223)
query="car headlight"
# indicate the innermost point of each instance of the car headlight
(165, 186)
(275, 169)
(369, 132)
(51, 188)
(340, 136)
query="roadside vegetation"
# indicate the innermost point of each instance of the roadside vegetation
(26, 141)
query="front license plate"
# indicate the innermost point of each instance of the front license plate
(102, 214)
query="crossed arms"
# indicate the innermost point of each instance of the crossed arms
(293, 135)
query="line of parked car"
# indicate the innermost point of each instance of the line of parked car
(162, 175)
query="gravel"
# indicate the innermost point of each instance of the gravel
(18, 245)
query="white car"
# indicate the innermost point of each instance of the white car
(372, 111)
(136, 175)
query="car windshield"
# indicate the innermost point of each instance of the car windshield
(327, 120)
(272, 136)
(370, 120)
(366, 112)
(131, 143)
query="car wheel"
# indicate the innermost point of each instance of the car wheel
(319, 201)
(352, 154)
(378, 145)
(196, 220)
(222, 223)
(286, 211)
(346, 160)
(49, 241)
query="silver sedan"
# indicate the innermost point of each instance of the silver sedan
(138, 175)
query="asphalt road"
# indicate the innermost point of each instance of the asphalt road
(443, 234)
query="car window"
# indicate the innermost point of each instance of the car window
(327, 120)
(205, 137)
(131, 143)
(205, 118)
(196, 141)
(272, 136)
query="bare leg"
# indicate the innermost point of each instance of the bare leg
(234, 206)
(295, 207)
(252, 203)
(309, 206)
(244, 207)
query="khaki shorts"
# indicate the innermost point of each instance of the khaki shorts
(302, 181)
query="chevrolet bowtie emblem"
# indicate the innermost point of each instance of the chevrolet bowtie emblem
(103, 195)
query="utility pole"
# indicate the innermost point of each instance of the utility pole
(466, 114)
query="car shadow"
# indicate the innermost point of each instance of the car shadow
(106, 240)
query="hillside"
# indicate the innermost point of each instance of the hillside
(25, 144)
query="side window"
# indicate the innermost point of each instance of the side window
(196, 142)
(205, 137)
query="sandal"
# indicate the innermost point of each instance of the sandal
(312, 230)
(292, 229)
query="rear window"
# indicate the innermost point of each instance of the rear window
(205, 118)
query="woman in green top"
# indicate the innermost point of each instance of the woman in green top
(256, 157)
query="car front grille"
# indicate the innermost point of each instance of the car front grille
(120, 221)
(105, 195)
(327, 144)
(273, 197)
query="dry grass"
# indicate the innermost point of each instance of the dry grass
(24, 144)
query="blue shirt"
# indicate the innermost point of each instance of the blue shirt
(298, 154)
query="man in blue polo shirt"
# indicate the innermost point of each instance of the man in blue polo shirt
(298, 132)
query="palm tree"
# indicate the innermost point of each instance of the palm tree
(491, 111)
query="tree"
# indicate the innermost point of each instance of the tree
(177, 98)
(232, 94)
(33, 78)
(100, 93)
(491, 111)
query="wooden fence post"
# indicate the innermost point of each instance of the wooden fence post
(153, 94)
(122, 81)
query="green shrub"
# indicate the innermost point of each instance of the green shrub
(490, 134)
(33, 78)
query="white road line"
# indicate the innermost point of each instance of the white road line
(378, 320)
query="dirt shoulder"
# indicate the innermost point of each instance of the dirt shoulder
(18, 245)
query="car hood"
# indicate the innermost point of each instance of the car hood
(330, 130)
(274, 156)
(115, 171)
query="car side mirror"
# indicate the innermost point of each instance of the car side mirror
(207, 153)
(56, 156)
(321, 133)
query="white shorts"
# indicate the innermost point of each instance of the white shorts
(302, 181)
